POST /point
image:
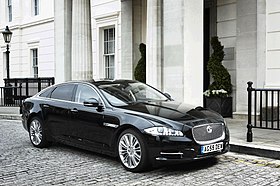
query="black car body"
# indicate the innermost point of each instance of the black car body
(124, 118)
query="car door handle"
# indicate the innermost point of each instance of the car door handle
(74, 110)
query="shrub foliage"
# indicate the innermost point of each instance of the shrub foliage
(140, 69)
(216, 69)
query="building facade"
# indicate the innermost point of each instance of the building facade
(32, 41)
(85, 39)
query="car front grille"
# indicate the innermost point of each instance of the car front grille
(208, 133)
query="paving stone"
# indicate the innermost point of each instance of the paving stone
(23, 164)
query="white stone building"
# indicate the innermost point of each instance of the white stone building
(84, 39)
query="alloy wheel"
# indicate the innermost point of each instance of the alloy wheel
(130, 151)
(35, 130)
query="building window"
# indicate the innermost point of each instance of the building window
(35, 7)
(34, 53)
(109, 53)
(10, 14)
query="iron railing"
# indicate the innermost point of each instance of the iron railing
(263, 109)
(30, 86)
(18, 89)
(11, 96)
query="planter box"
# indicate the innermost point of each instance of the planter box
(221, 105)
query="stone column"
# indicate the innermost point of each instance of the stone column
(137, 30)
(81, 41)
(154, 43)
(193, 52)
(63, 27)
(126, 40)
(250, 48)
(173, 48)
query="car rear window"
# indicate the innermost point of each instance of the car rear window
(63, 92)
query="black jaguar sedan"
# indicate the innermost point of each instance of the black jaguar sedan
(126, 119)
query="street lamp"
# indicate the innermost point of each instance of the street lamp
(7, 34)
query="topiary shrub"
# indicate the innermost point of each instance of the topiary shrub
(221, 87)
(140, 69)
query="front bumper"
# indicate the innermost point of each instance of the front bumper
(178, 149)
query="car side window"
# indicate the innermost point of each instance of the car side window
(47, 92)
(85, 92)
(63, 92)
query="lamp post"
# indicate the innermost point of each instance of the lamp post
(7, 34)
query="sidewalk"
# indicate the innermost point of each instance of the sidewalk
(266, 143)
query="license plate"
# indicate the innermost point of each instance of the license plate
(212, 148)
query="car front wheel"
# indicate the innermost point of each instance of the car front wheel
(37, 133)
(132, 151)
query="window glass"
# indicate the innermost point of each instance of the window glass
(35, 62)
(85, 92)
(36, 7)
(46, 93)
(109, 53)
(122, 93)
(63, 92)
(10, 14)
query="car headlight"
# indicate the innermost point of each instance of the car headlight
(163, 131)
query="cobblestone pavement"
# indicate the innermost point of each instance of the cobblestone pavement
(22, 164)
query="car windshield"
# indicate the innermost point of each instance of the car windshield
(123, 93)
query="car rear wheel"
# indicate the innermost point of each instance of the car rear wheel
(37, 133)
(132, 151)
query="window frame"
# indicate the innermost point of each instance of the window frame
(102, 21)
(35, 7)
(9, 10)
(36, 65)
(107, 54)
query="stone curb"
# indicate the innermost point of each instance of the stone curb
(252, 160)
(257, 151)
(10, 116)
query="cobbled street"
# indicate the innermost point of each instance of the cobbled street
(23, 164)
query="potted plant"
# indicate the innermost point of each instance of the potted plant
(140, 69)
(218, 94)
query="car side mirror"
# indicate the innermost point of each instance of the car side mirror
(168, 96)
(91, 102)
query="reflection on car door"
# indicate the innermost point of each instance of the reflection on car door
(85, 120)
(56, 111)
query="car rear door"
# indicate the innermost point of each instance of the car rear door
(57, 111)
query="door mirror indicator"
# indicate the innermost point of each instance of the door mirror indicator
(91, 102)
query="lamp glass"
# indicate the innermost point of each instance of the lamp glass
(7, 34)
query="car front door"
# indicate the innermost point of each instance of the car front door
(87, 121)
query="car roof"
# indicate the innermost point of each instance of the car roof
(105, 82)
(98, 82)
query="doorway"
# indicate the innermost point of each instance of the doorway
(209, 30)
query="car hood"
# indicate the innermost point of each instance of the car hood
(175, 111)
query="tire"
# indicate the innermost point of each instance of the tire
(132, 151)
(37, 133)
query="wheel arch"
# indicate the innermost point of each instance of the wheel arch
(32, 115)
(144, 161)
(118, 133)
